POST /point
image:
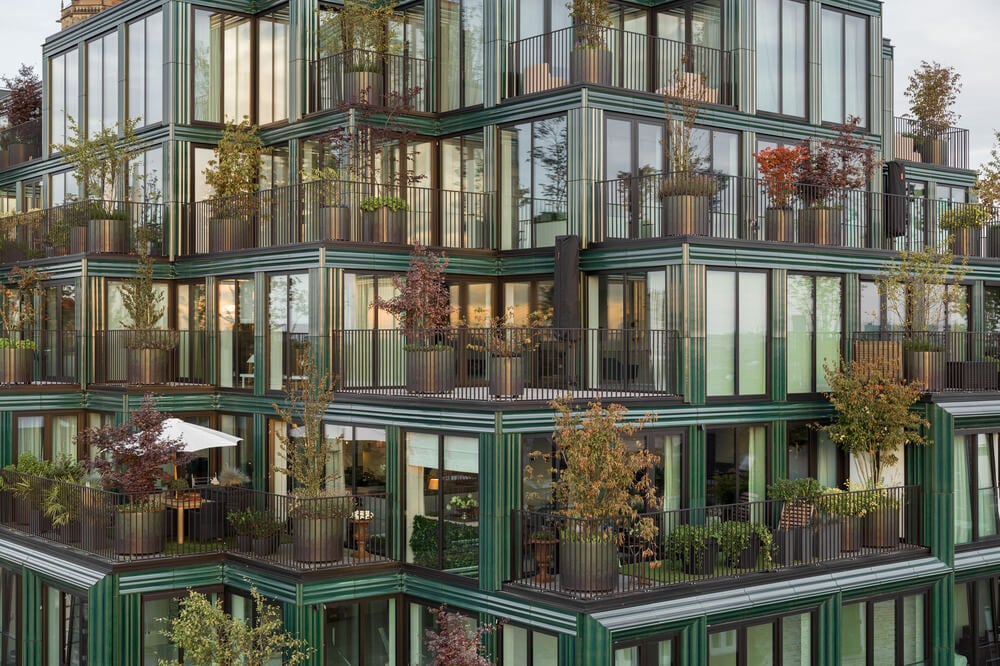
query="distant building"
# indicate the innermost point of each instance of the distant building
(79, 10)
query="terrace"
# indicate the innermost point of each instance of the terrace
(950, 148)
(20, 144)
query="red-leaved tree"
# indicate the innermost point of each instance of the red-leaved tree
(131, 457)
(422, 302)
(455, 643)
(24, 103)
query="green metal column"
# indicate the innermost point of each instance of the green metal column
(931, 467)
(779, 339)
(852, 312)
(499, 492)
(393, 479)
(696, 466)
(261, 460)
(31, 614)
(942, 611)
(744, 48)
(686, 315)
(828, 627)
(585, 145)
(694, 643)
(778, 463)
(124, 633)
(6, 436)
(306, 622)
(593, 643)
(260, 301)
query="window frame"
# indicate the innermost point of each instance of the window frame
(813, 335)
(736, 396)
(844, 79)
(806, 84)
(775, 621)
(897, 598)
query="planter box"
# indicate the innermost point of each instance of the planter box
(231, 233)
(506, 377)
(591, 65)
(385, 226)
(965, 242)
(149, 366)
(588, 567)
(926, 367)
(779, 225)
(360, 85)
(821, 226)
(687, 215)
(972, 375)
(430, 370)
(318, 539)
(139, 532)
(828, 539)
(793, 544)
(16, 365)
(264, 546)
(107, 236)
(707, 565)
(332, 223)
(932, 151)
(881, 528)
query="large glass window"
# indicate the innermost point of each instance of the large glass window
(64, 628)
(442, 502)
(360, 634)
(102, 83)
(10, 616)
(813, 329)
(145, 69)
(648, 652)
(977, 621)
(524, 647)
(288, 328)
(884, 631)
(463, 210)
(47, 437)
(272, 67)
(222, 62)
(788, 640)
(533, 193)
(236, 333)
(781, 56)
(977, 486)
(845, 66)
(735, 465)
(736, 330)
(461, 53)
(811, 453)
(64, 94)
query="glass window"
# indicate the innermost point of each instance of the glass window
(813, 329)
(221, 63)
(811, 453)
(786, 640)
(977, 486)
(156, 617)
(736, 465)
(845, 66)
(64, 628)
(362, 633)
(736, 328)
(272, 67)
(10, 618)
(524, 647)
(64, 95)
(47, 437)
(145, 69)
(288, 328)
(102, 83)
(236, 333)
(781, 56)
(461, 53)
(533, 193)
(890, 630)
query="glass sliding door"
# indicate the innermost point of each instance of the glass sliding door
(237, 360)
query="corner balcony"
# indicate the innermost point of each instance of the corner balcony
(587, 364)
(37, 360)
(364, 78)
(940, 360)
(630, 61)
(950, 148)
(279, 531)
(555, 556)
(21, 143)
(340, 211)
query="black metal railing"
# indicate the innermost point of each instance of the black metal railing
(280, 530)
(365, 77)
(594, 559)
(151, 357)
(536, 222)
(344, 211)
(547, 363)
(38, 358)
(20, 143)
(941, 360)
(949, 148)
(628, 60)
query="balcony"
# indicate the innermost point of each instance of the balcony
(950, 148)
(31, 360)
(713, 544)
(270, 530)
(359, 77)
(632, 61)
(588, 364)
(340, 211)
(940, 360)
(147, 358)
(20, 144)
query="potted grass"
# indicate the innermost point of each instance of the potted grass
(265, 533)
(62, 502)
(932, 90)
(17, 317)
(504, 346)
(779, 167)
(148, 348)
(132, 461)
(28, 485)
(964, 224)
(234, 176)
(421, 308)
(590, 60)
(332, 220)
(599, 482)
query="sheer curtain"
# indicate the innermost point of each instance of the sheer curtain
(963, 508)
(986, 478)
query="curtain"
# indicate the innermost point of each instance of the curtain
(986, 482)
(799, 329)
(671, 472)
(756, 445)
(963, 508)
(63, 433)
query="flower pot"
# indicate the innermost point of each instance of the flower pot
(234, 232)
(591, 65)
(993, 241)
(932, 151)
(820, 226)
(793, 544)
(77, 240)
(107, 236)
(244, 543)
(149, 366)
(15, 365)
(385, 226)
(360, 85)
(318, 539)
(263, 546)
(687, 215)
(38, 522)
(779, 225)
(332, 223)
(587, 566)
(965, 241)
(139, 532)
(706, 564)
(926, 367)
(430, 370)
(71, 532)
(544, 550)
(850, 534)
(506, 376)
(881, 527)
(94, 536)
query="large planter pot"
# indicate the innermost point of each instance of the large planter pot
(506, 376)
(368, 84)
(965, 241)
(430, 370)
(94, 536)
(850, 534)
(384, 226)
(71, 532)
(705, 565)
(15, 366)
(38, 522)
(779, 225)
(107, 236)
(332, 223)
(828, 539)
(22, 511)
(234, 232)
(591, 65)
(263, 546)
(78, 239)
(926, 367)
(318, 539)
(686, 215)
(932, 151)
(881, 527)
(139, 532)
(588, 566)
(149, 366)
(793, 544)
(820, 226)
(244, 543)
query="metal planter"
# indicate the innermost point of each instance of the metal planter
(591, 65)
(926, 367)
(587, 566)
(687, 215)
(993, 241)
(821, 226)
(779, 225)
(332, 223)
(15, 365)
(932, 151)
(107, 236)
(385, 226)
(881, 527)
(430, 370)
(965, 242)
(506, 376)
(264, 546)
(231, 233)
(139, 532)
(318, 539)
(360, 85)
(149, 366)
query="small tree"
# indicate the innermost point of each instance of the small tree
(874, 420)
(837, 165)
(454, 643)
(210, 635)
(988, 180)
(24, 102)
(780, 168)
(422, 301)
(235, 169)
(922, 288)
(18, 312)
(933, 90)
(142, 301)
(104, 161)
(591, 19)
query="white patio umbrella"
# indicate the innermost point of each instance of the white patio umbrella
(196, 437)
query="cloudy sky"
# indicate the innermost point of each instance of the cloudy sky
(919, 29)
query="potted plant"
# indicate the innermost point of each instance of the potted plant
(28, 487)
(421, 307)
(544, 541)
(504, 344)
(21, 106)
(361, 520)
(148, 348)
(466, 506)
(599, 482)
(834, 166)
(18, 317)
(932, 90)
(132, 460)
(62, 501)
(364, 29)
(103, 161)
(383, 218)
(742, 544)
(964, 224)
(591, 60)
(694, 547)
(242, 524)
(234, 176)
(265, 533)
(317, 510)
(333, 218)
(796, 541)
(847, 508)
(779, 167)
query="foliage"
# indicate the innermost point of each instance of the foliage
(689, 184)
(873, 420)
(104, 161)
(262, 524)
(837, 165)
(241, 521)
(933, 90)
(780, 168)
(807, 490)
(422, 298)
(735, 536)
(591, 18)
(144, 305)
(856, 502)
(682, 109)
(687, 544)
(24, 101)
(461, 543)
(363, 28)
(62, 501)
(235, 169)
(132, 457)
(378, 203)
(463, 503)
(210, 635)
(922, 288)
(964, 216)
(988, 180)
(232, 476)
(18, 312)
(454, 643)
(503, 339)
(327, 181)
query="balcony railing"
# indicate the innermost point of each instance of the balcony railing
(38, 358)
(277, 530)
(336, 210)
(595, 559)
(157, 357)
(941, 360)
(537, 222)
(367, 78)
(20, 144)
(586, 363)
(950, 148)
(631, 60)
